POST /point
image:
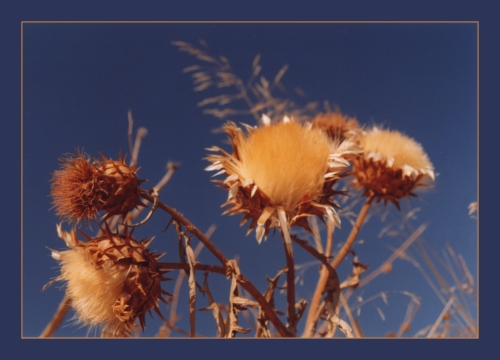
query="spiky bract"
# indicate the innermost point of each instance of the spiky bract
(83, 187)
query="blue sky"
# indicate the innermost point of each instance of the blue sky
(79, 80)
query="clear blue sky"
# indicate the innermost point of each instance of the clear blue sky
(80, 80)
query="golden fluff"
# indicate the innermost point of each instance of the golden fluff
(280, 173)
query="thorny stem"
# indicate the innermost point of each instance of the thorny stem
(312, 315)
(244, 282)
(192, 229)
(58, 317)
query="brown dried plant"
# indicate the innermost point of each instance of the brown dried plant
(126, 272)
(283, 173)
(123, 274)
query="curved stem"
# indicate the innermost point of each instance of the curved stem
(311, 250)
(191, 228)
(244, 282)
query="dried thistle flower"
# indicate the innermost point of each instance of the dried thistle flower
(336, 125)
(82, 188)
(279, 174)
(112, 280)
(393, 166)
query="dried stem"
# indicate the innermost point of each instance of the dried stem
(290, 289)
(440, 318)
(311, 250)
(312, 315)
(244, 282)
(354, 323)
(354, 232)
(394, 255)
(182, 274)
(192, 286)
(141, 133)
(317, 237)
(192, 229)
(58, 317)
(171, 167)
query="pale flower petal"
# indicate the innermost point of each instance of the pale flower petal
(247, 182)
(266, 120)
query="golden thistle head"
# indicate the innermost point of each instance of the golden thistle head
(282, 167)
(112, 280)
(83, 187)
(393, 166)
(336, 125)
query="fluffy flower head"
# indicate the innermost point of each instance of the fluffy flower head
(283, 167)
(111, 280)
(285, 161)
(392, 166)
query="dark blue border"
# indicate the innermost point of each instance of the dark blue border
(364, 10)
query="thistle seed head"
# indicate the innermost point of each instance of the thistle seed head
(392, 166)
(112, 280)
(284, 165)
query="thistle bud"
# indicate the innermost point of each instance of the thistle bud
(82, 188)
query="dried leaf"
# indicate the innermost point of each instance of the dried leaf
(332, 290)
(234, 305)
(354, 278)
(262, 320)
(221, 328)
(192, 286)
